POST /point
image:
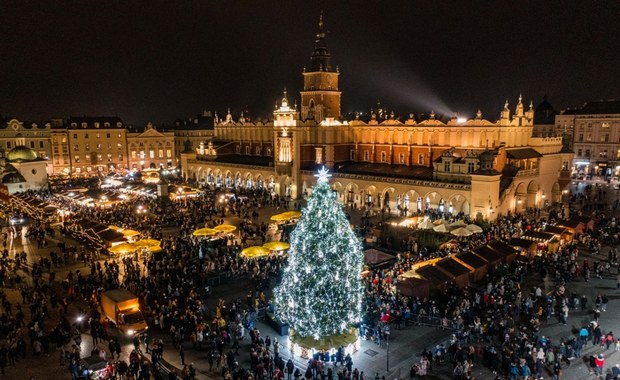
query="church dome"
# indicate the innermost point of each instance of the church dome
(21, 153)
(13, 178)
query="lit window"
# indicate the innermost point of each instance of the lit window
(420, 159)
(168, 153)
(383, 157)
(151, 153)
(401, 158)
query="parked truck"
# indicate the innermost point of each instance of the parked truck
(123, 308)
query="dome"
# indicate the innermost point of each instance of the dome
(21, 153)
(13, 178)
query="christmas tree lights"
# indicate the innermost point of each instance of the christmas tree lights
(321, 291)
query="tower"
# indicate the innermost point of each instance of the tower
(320, 97)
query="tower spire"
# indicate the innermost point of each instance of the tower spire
(321, 58)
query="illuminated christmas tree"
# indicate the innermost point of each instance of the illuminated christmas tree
(321, 291)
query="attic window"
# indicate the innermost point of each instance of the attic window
(74, 124)
(119, 124)
(106, 124)
(84, 125)
(96, 124)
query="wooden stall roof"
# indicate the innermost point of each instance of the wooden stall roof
(374, 257)
(572, 223)
(502, 248)
(538, 235)
(111, 236)
(557, 230)
(453, 267)
(434, 275)
(414, 287)
(488, 253)
(521, 243)
(472, 260)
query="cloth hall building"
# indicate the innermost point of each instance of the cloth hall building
(478, 167)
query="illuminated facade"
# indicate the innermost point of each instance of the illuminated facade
(477, 167)
(88, 145)
(595, 132)
(151, 149)
(33, 135)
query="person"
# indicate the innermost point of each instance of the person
(182, 355)
(557, 370)
(290, 367)
(599, 363)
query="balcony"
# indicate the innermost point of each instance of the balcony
(527, 173)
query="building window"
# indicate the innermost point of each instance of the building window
(133, 154)
(8, 145)
(366, 156)
(75, 135)
(85, 135)
(578, 152)
(247, 150)
(352, 155)
(96, 124)
(401, 158)
(160, 153)
(603, 154)
(109, 157)
(107, 135)
(119, 145)
(118, 135)
(168, 153)
(588, 153)
(605, 125)
(40, 144)
(151, 153)
(87, 146)
(99, 157)
(318, 155)
(120, 157)
(446, 166)
(383, 157)
(98, 146)
(580, 137)
(589, 138)
(98, 135)
(420, 159)
(32, 145)
(77, 159)
(564, 165)
(42, 154)
(605, 137)
(238, 149)
(258, 150)
(471, 167)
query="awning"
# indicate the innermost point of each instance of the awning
(523, 153)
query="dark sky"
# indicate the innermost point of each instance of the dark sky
(159, 60)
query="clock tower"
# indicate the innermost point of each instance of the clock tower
(320, 97)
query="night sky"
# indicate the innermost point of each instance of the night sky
(161, 60)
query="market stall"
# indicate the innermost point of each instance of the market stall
(414, 287)
(458, 272)
(476, 264)
(509, 252)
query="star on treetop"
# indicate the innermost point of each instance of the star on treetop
(322, 175)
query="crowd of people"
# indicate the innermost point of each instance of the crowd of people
(496, 323)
